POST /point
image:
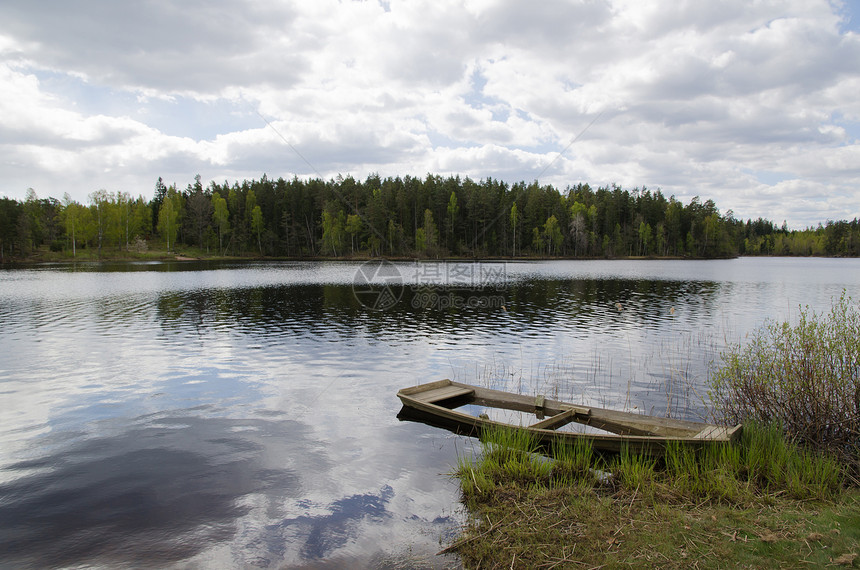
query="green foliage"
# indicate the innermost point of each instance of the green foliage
(430, 238)
(200, 209)
(257, 225)
(383, 217)
(168, 217)
(333, 231)
(221, 218)
(420, 240)
(538, 241)
(834, 238)
(552, 233)
(453, 210)
(515, 219)
(354, 227)
(646, 237)
(72, 220)
(805, 377)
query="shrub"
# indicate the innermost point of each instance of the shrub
(804, 377)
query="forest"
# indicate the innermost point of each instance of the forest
(400, 217)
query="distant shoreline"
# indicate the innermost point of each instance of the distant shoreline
(121, 256)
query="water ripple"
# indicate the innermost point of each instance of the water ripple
(234, 413)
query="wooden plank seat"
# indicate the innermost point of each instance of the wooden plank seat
(442, 393)
(713, 432)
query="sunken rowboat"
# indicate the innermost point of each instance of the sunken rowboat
(435, 403)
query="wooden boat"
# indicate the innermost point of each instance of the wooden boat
(435, 403)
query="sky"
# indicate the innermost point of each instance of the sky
(754, 104)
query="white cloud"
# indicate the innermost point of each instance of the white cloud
(696, 98)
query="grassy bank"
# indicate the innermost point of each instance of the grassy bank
(786, 495)
(765, 503)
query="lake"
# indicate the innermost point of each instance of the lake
(194, 414)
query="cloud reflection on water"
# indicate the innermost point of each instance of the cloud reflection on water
(151, 495)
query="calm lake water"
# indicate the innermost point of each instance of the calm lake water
(190, 414)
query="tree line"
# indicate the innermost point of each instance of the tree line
(403, 216)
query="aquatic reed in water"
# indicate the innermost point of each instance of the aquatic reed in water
(663, 376)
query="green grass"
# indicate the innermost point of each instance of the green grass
(763, 503)
(508, 455)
